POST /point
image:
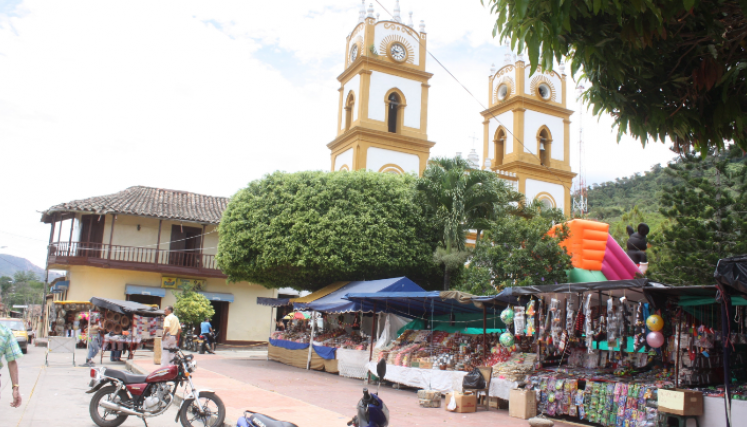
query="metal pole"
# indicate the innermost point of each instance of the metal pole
(677, 347)
(272, 323)
(373, 330)
(484, 329)
(311, 339)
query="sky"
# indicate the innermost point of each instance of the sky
(96, 97)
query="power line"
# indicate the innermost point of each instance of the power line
(480, 103)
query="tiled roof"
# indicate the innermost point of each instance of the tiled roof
(150, 202)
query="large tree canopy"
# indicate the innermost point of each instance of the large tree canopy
(308, 229)
(661, 68)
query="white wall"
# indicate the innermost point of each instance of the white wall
(507, 121)
(353, 84)
(378, 157)
(533, 120)
(534, 187)
(344, 158)
(380, 85)
(380, 33)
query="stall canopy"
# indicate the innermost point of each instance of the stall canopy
(426, 304)
(274, 302)
(145, 290)
(126, 307)
(321, 293)
(336, 302)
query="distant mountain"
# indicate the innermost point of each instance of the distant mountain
(10, 264)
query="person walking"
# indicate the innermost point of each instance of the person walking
(94, 334)
(10, 350)
(206, 329)
(171, 331)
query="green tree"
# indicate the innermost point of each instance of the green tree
(670, 68)
(517, 251)
(707, 217)
(192, 308)
(308, 229)
(458, 198)
(25, 289)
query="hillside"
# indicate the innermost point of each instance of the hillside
(10, 264)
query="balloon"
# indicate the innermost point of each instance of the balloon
(655, 339)
(507, 339)
(655, 322)
(507, 316)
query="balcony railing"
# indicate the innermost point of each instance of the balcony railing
(149, 258)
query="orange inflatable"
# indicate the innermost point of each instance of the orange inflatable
(586, 243)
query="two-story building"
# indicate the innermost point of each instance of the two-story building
(141, 244)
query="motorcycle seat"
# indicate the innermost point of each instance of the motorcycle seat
(125, 377)
(271, 422)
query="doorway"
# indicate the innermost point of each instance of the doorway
(185, 246)
(220, 319)
(91, 236)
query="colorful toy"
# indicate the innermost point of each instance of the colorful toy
(655, 322)
(655, 339)
(507, 316)
(507, 339)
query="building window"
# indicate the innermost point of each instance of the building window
(394, 102)
(544, 141)
(500, 146)
(546, 201)
(392, 168)
(349, 105)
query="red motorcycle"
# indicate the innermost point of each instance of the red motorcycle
(119, 394)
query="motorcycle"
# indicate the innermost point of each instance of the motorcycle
(372, 412)
(119, 394)
(186, 339)
(203, 342)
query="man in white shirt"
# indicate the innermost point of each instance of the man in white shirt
(171, 331)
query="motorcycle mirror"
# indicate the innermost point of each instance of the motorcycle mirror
(381, 369)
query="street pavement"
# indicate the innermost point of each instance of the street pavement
(55, 395)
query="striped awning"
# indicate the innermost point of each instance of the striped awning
(320, 293)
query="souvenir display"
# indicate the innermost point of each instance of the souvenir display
(655, 322)
(507, 316)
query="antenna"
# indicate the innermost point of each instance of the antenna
(580, 200)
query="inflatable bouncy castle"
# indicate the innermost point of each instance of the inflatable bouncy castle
(595, 255)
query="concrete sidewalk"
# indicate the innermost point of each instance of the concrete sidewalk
(239, 396)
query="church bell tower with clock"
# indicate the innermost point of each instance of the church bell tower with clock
(527, 131)
(383, 107)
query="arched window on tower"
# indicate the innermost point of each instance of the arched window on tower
(544, 141)
(349, 105)
(500, 146)
(394, 103)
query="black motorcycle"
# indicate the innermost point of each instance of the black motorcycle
(204, 339)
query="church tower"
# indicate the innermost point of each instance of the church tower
(527, 131)
(383, 108)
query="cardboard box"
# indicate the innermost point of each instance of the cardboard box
(522, 404)
(498, 403)
(464, 402)
(426, 364)
(680, 402)
(429, 398)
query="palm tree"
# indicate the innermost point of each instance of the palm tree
(460, 198)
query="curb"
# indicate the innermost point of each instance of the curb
(177, 397)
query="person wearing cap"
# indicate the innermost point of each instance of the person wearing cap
(10, 350)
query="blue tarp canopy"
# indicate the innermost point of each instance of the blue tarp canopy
(273, 302)
(335, 302)
(216, 296)
(145, 290)
(427, 304)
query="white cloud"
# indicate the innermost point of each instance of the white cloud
(206, 96)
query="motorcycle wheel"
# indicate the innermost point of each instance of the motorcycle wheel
(214, 412)
(101, 416)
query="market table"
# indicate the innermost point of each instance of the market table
(352, 363)
(429, 379)
(296, 354)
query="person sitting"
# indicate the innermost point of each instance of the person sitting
(206, 329)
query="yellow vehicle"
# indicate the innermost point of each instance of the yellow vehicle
(19, 330)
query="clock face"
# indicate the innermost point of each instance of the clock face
(354, 52)
(398, 52)
(544, 91)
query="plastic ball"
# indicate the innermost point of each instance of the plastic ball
(507, 316)
(655, 339)
(507, 339)
(655, 322)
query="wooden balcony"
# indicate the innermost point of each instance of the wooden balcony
(164, 261)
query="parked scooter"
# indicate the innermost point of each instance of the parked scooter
(372, 412)
(203, 340)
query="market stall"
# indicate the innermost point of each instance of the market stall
(126, 325)
(450, 331)
(68, 319)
